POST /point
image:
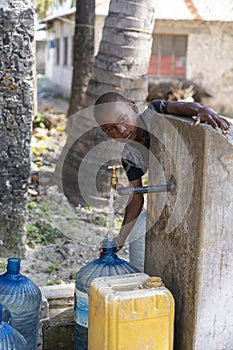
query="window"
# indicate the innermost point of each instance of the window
(168, 56)
(65, 51)
(57, 51)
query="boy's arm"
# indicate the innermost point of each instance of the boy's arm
(190, 109)
(132, 211)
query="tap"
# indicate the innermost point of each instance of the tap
(122, 191)
(168, 187)
(114, 178)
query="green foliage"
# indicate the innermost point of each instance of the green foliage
(3, 265)
(32, 205)
(54, 282)
(39, 121)
(42, 233)
(43, 6)
(39, 230)
(53, 267)
(37, 210)
(73, 275)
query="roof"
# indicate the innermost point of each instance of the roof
(207, 10)
(215, 9)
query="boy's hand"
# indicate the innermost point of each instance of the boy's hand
(101, 250)
(208, 115)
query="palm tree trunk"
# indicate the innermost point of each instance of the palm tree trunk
(83, 53)
(124, 54)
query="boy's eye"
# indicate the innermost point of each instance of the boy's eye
(110, 130)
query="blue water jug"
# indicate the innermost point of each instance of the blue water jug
(23, 299)
(107, 265)
(10, 339)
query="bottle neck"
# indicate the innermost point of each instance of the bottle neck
(13, 266)
(109, 247)
(109, 251)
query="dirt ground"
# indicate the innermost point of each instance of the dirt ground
(61, 239)
(57, 262)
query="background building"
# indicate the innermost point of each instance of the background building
(192, 41)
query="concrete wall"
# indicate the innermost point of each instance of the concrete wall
(17, 30)
(189, 242)
(209, 57)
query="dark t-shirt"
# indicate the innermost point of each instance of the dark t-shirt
(135, 157)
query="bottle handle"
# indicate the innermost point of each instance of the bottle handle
(124, 287)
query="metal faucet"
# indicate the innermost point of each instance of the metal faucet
(114, 178)
(121, 190)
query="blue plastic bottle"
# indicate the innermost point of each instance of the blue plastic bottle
(10, 339)
(23, 299)
(108, 265)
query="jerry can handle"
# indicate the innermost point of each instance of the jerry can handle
(126, 286)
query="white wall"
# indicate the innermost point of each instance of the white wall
(210, 63)
(209, 57)
(60, 74)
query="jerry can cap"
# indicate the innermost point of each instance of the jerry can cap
(153, 282)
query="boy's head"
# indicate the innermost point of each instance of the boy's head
(117, 116)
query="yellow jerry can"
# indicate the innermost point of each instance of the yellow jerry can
(130, 312)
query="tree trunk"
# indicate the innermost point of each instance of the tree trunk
(35, 98)
(17, 30)
(83, 53)
(124, 54)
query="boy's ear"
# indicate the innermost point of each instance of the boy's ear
(134, 107)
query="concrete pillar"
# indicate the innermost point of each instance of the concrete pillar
(16, 109)
(189, 241)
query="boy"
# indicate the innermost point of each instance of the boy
(120, 120)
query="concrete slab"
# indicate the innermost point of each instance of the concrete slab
(189, 240)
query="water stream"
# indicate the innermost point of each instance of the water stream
(111, 224)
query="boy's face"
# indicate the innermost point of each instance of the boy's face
(119, 121)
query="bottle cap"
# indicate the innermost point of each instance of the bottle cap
(153, 282)
(109, 243)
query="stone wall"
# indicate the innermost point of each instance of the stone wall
(17, 30)
(189, 243)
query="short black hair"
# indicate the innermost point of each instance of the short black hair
(111, 96)
(108, 97)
